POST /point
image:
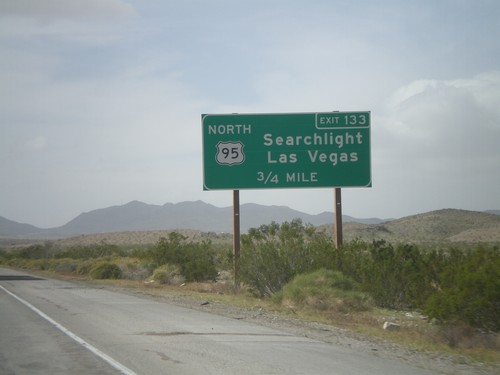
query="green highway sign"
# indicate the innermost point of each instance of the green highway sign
(286, 150)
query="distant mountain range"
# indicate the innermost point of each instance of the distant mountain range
(134, 219)
(198, 215)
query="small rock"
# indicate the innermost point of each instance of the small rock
(205, 303)
(389, 326)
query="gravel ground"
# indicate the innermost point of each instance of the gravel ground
(441, 363)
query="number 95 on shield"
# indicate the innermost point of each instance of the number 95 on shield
(230, 153)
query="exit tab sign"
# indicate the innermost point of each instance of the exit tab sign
(286, 150)
(338, 120)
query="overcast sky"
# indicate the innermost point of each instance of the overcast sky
(100, 100)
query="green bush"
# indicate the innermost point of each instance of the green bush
(195, 260)
(105, 270)
(273, 254)
(4, 256)
(168, 274)
(397, 277)
(198, 262)
(85, 266)
(402, 276)
(100, 250)
(168, 250)
(62, 265)
(136, 269)
(452, 285)
(469, 290)
(325, 290)
(33, 252)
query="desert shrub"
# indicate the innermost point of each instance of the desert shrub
(469, 289)
(399, 276)
(27, 264)
(168, 274)
(135, 269)
(195, 260)
(223, 257)
(273, 254)
(325, 290)
(100, 250)
(198, 262)
(62, 265)
(168, 250)
(32, 252)
(14, 262)
(462, 335)
(141, 252)
(453, 285)
(4, 256)
(350, 257)
(85, 266)
(105, 270)
(35, 264)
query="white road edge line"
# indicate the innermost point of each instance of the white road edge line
(118, 366)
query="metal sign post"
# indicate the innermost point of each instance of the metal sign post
(236, 237)
(338, 218)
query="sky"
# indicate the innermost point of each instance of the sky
(101, 100)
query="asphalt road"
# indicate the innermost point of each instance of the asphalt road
(54, 327)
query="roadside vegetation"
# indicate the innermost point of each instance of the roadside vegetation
(441, 297)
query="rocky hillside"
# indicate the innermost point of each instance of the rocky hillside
(448, 225)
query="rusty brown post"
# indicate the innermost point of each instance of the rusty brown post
(236, 237)
(338, 218)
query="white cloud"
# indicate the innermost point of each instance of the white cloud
(71, 22)
(49, 10)
(455, 118)
(35, 144)
(436, 145)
